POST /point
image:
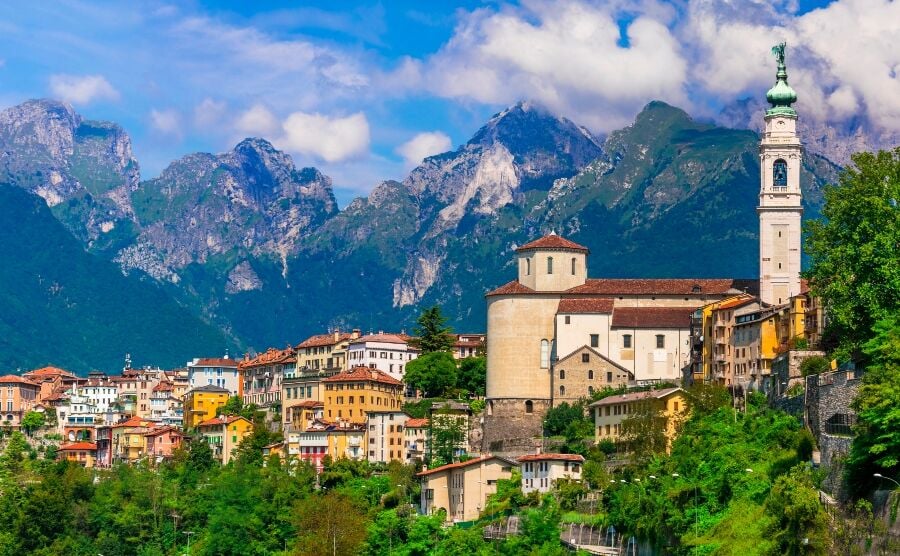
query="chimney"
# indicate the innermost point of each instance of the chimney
(337, 335)
(355, 334)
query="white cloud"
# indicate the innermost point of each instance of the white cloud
(330, 139)
(209, 113)
(258, 121)
(167, 122)
(423, 145)
(82, 89)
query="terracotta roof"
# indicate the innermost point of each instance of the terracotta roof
(804, 285)
(321, 425)
(274, 445)
(49, 372)
(385, 338)
(309, 404)
(132, 422)
(14, 379)
(215, 362)
(54, 396)
(363, 373)
(586, 347)
(222, 420)
(655, 394)
(585, 305)
(545, 457)
(163, 386)
(462, 464)
(271, 356)
(417, 423)
(553, 241)
(319, 340)
(510, 288)
(78, 446)
(161, 430)
(661, 286)
(652, 317)
(735, 302)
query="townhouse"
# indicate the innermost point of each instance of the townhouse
(461, 489)
(18, 396)
(350, 395)
(541, 471)
(215, 371)
(224, 434)
(610, 412)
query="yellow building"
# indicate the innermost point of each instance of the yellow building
(201, 403)
(350, 395)
(82, 453)
(716, 335)
(346, 440)
(610, 412)
(128, 441)
(224, 434)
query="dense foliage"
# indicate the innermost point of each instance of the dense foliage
(432, 332)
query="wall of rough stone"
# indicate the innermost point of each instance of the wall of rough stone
(828, 394)
(509, 431)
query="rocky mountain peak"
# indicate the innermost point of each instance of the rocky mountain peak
(45, 123)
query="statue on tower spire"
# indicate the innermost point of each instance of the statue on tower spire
(781, 96)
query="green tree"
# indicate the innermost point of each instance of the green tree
(799, 522)
(853, 248)
(329, 524)
(32, 421)
(250, 449)
(234, 405)
(448, 436)
(644, 431)
(433, 373)
(473, 375)
(876, 447)
(200, 456)
(433, 332)
(559, 417)
(814, 365)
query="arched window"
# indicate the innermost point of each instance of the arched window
(549, 265)
(779, 173)
(590, 375)
(529, 406)
(545, 354)
(562, 390)
(562, 374)
(590, 390)
(573, 266)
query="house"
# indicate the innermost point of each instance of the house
(350, 395)
(82, 453)
(585, 371)
(610, 412)
(468, 345)
(311, 445)
(261, 378)
(461, 489)
(541, 471)
(385, 436)
(274, 448)
(417, 441)
(224, 434)
(340, 439)
(161, 442)
(53, 380)
(164, 405)
(215, 371)
(201, 403)
(18, 396)
(302, 417)
(389, 353)
(128, 442)
(326, 353)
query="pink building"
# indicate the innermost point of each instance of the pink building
(162, 442)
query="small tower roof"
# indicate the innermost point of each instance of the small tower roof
(552, 241)
(781, 95)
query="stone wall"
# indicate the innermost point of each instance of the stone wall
(786, 370)
(828, 399)
(584, 372)
(510, 431)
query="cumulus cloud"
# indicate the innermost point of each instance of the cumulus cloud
(330, 139)
(167, 122)
(82, 89)
(258, 121)
(423, 145)
(209, 113)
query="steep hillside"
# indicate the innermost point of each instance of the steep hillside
(61, 305)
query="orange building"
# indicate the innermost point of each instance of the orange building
(17, 397)
(84, 453)
(351, 395)
(53, 380)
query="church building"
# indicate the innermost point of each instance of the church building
(555, 335)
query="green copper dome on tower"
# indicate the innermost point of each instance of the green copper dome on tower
(781, 96)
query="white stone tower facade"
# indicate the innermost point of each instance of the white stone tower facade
(780, 197)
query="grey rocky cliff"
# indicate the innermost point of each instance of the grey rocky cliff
(83, 169)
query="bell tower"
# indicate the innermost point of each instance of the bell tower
(779, 197)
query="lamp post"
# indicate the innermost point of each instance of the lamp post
(880, 476)
(188, 533)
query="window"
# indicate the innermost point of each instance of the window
(660, 341)
(562, 374)
(585, 357)
(590, 374)
(562, 390)
(527, 267)
(529, 407)
(549, 265)
(595, 340)
(779, 173)
(545, 354)
(609, 376)
(573, 266)
(626, 341)
(568, 319)
(676, 406)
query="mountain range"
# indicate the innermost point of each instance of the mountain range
(249, 251)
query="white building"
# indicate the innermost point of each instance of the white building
(385, 436)
(541, 471)
(218, 371)
(389, 353)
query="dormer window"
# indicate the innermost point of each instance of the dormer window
(779, 173)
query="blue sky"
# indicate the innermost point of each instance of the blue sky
(364, 90)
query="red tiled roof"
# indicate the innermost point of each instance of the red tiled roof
(15, 379)
(132, 422)
(163, 386)
(735, 302)
(585, 305)
(309, 404)
(271, 356)
(661, 286)
(363, 373)
(215, 362)
(222, 420)
(510, 288)
(161, 430)
(319, 340)
(636, 396)
(545, 457)
(385, 338)
(50, 371)
(652, 317)
(804, 285)
(463, 464)
(78, 446)
(417, 423)
(553, 241)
